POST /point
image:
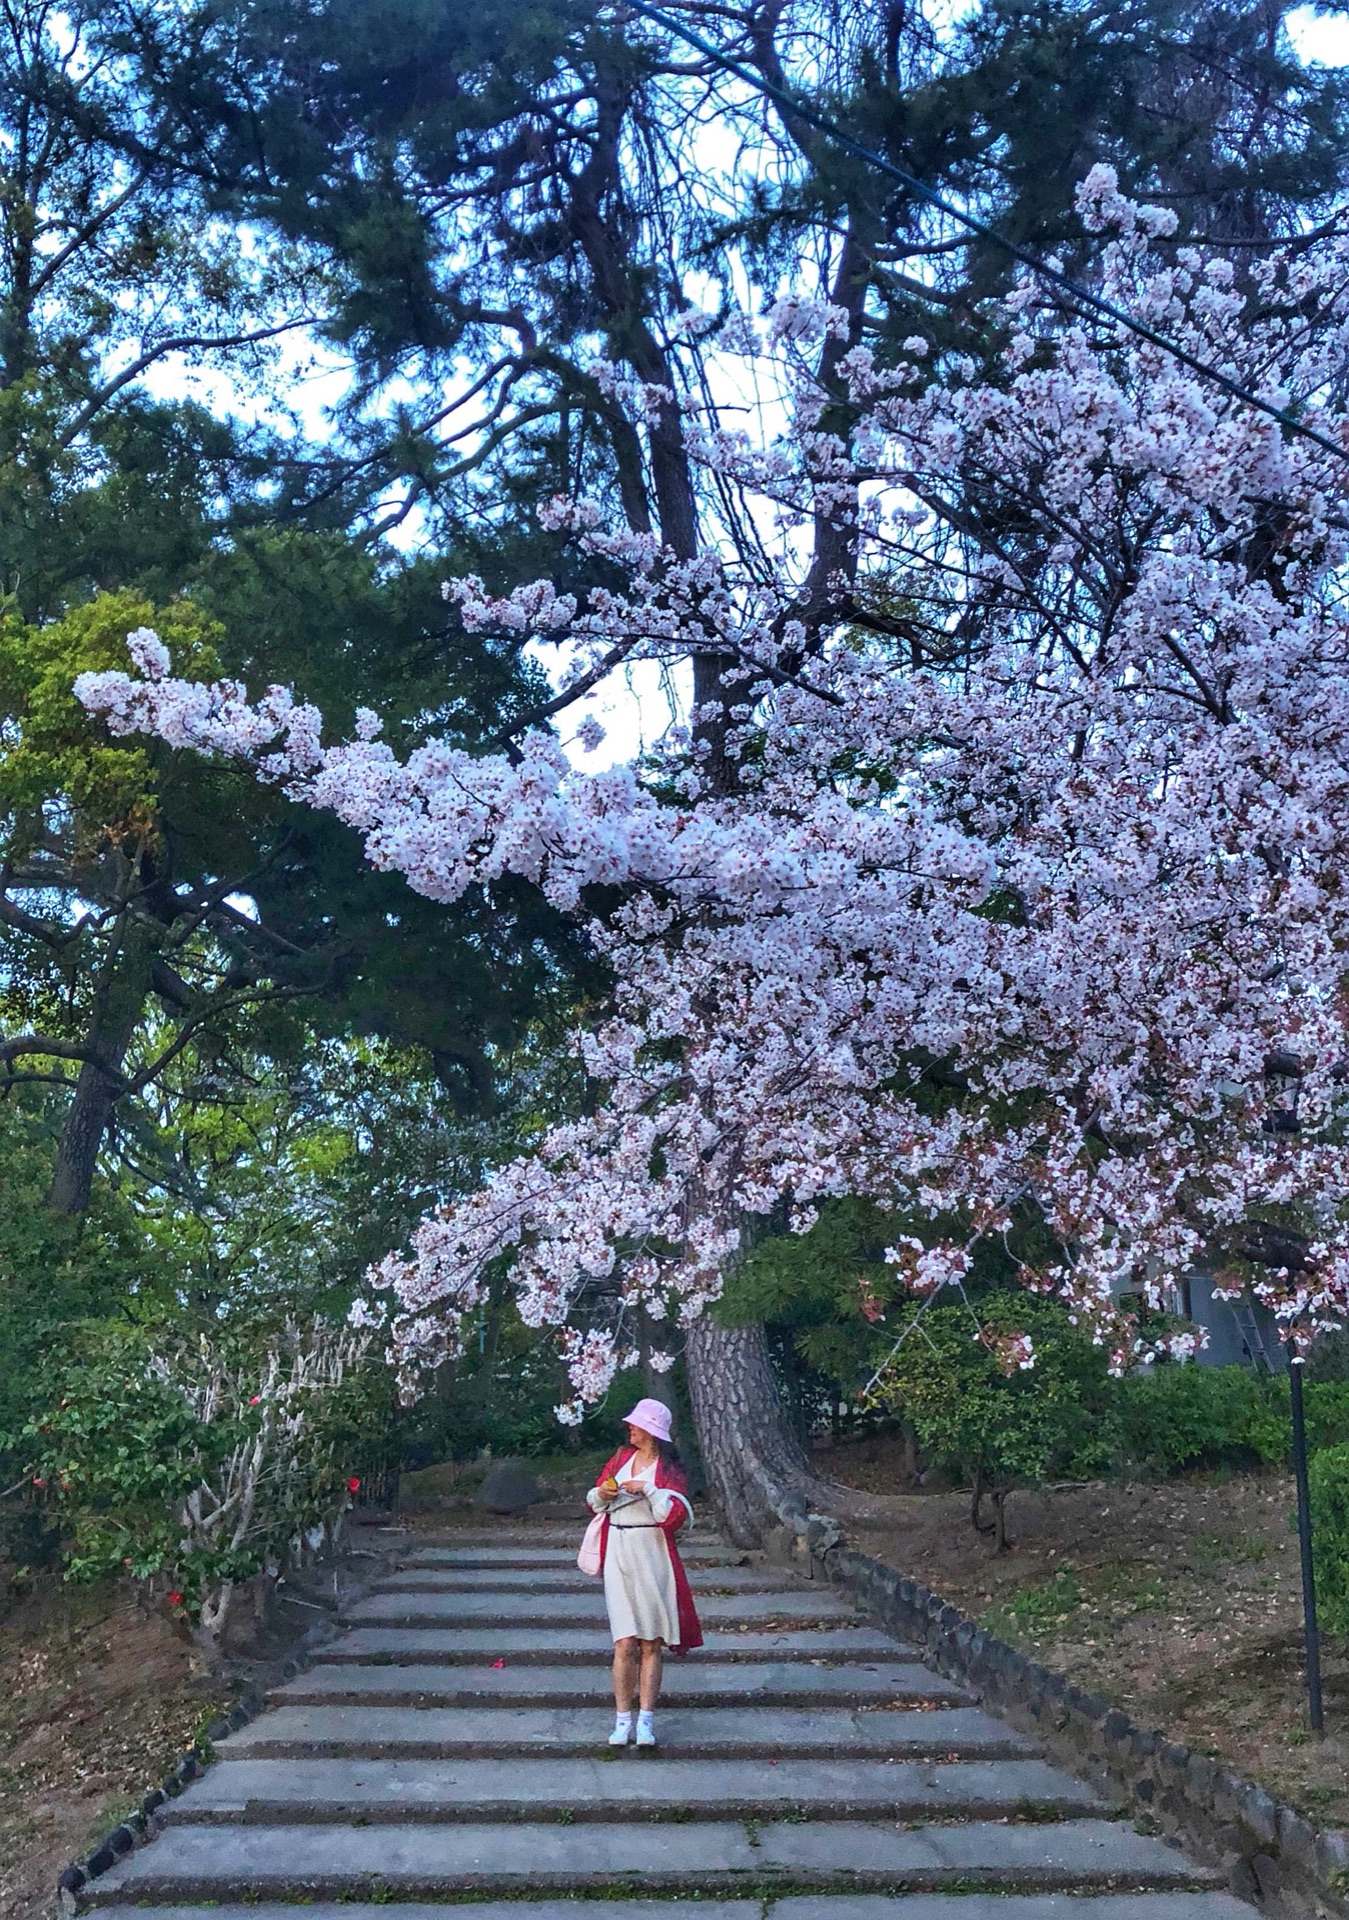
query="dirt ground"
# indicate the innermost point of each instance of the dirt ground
(1180, 1602)
(96, 1704)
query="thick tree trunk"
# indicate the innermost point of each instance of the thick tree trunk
(118, 1007)
(757, 1470)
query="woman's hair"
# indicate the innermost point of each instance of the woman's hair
(666, 1451)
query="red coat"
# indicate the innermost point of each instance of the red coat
(669, 1479)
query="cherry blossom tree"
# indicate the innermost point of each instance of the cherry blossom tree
(1000, 863)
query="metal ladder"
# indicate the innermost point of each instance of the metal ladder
(1243, 1312)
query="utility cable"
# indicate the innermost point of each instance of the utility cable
(1097, 302)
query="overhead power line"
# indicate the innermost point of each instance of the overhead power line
(792, 103)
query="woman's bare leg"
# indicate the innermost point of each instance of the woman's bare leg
(627, 1656)
(653, 1667)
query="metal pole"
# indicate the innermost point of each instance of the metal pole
(1304, 1537)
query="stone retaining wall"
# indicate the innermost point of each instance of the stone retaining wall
(1273, 1856)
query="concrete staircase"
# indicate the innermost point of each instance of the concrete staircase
(449, 1747)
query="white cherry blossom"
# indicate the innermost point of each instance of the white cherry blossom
(1022, 887)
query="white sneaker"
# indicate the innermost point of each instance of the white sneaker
(622, 1732)
(646, 1730)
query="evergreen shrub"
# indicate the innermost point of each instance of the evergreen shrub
(982, 1415)
(1328, 1472)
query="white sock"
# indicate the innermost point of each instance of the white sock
(623, 1724)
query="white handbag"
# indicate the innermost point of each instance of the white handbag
(588, 1559)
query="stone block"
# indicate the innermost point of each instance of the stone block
(1332, 1857)
(823, 1534)
(1259, 1814)
(508, 1488)
(1242, 1882)
(418, 1859)
(1268, 1875)
(1225, 1841)
(1297, 1841)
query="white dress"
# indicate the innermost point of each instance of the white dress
(639, 1586)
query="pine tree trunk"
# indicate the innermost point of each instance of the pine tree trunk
(118, 1007)
(756, 1466)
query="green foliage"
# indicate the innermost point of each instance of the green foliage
(979, 1414)
(54, 1270)
(117, 1452)
(828, 1288)
(1179, 1418)
(1182, 1418)
(1328, 1473)
(503, 1393)
(201, 1458)
(55, 759)
(1326, 1406)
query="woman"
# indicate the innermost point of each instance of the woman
(642, 1494)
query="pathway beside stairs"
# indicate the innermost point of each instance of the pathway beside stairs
(450, 1746)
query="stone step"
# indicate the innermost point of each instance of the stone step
(833, 1906)
(629, 1784)
(703, 1552)
(895, 1683)
(206, 1863)
(506, 1538)
(759, 1732)
(582, 1608)
(512, 1580)
(548, 1646)
(802, 1749)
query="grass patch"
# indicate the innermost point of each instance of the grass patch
(1046, 1607)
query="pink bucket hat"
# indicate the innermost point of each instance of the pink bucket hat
(652, 1416)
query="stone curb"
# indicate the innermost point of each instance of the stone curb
(1272, 1855)
(144, 1823)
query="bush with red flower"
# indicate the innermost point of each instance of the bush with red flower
(199, 1463)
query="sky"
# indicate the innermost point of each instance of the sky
(1324, 41)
